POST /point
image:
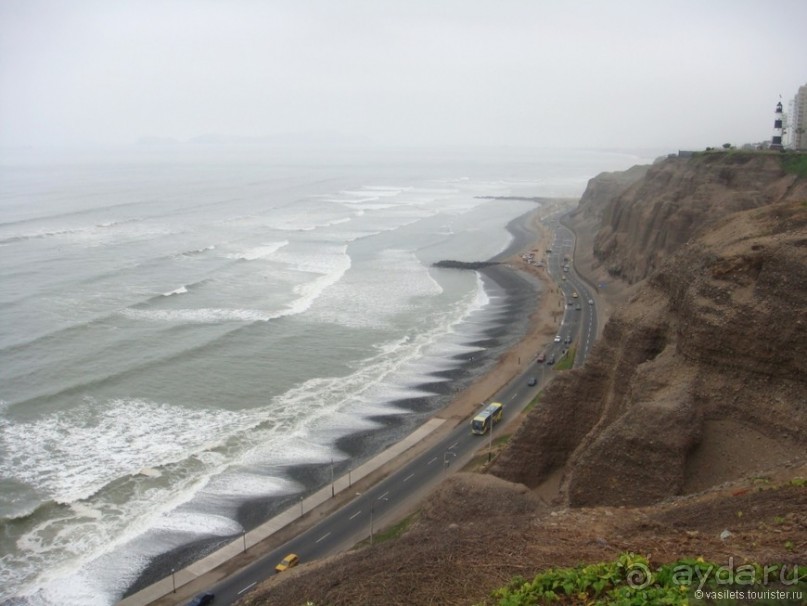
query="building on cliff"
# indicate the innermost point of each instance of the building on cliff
(798, 120)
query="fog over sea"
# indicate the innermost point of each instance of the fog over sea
(191, 334)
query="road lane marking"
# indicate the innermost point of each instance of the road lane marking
(409, 477)
(383, 496)
(248, 587)
(453, 445)
(327, 534)
(432, 461)
(355, 514)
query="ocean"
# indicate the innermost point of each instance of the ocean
(192, 336)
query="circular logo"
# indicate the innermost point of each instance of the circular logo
(639, 576)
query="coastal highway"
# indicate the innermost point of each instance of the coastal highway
(580, 315)
(366, 512)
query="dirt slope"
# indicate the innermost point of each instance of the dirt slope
(478, 532)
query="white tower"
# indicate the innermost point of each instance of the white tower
(776, 142)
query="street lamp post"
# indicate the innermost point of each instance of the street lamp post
(446, 460)
(174, 580)
(490, 441)
(372, 514)
(245, 539)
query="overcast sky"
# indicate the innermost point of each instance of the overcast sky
(608, 73)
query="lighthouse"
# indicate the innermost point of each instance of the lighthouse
(776, 141)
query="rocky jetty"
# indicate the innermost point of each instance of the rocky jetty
(474, 265)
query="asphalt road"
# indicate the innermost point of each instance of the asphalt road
(578, 324)
(362, 517)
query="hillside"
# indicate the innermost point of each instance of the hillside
(678, 198)
(688, 420)
(699, 380)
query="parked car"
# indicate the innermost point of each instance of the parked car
(290, 561)
(202, 599)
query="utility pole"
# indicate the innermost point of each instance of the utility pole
(372, 513)
(490, 441)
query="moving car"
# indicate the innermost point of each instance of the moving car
(591, 301)
(290, 561)
(532, 381)
(557, 338)
(202, 599)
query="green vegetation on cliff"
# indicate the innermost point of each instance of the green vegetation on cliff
(629, 581)
(795, 164)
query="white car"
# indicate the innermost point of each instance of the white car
(557, 339)
(591, 301)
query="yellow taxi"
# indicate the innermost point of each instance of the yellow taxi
(290, 561)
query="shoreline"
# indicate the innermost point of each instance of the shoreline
(510, 274)
(541, 325)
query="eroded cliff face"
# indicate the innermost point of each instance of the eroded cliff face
(702, 377)
(677, 199)
(607, 186)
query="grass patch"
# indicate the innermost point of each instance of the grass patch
(795, 164)
(567, 361)
(535, 401)
(501, 440)
(477, 464)
(394, 531)
(389, 533)
(480, 462)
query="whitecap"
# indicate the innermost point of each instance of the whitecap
(178, 291)
(259, 252)
(197, 523)
(205, 315)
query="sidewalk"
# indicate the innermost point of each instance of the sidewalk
(237, 546)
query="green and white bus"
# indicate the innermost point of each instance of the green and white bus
(485, 420)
